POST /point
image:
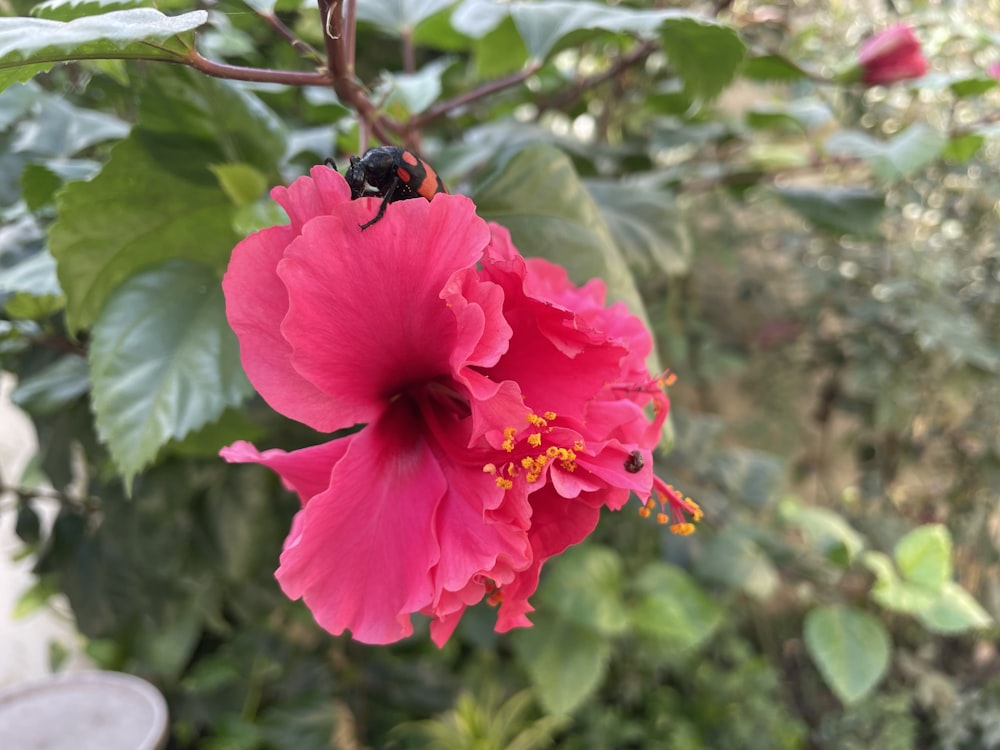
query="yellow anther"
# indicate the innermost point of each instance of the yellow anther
(537, 421)
(508, 438)
(682, 529)
(550, 415)
(644, 511)
(504, 484)
(535, 439)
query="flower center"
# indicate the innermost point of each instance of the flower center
(536, 451)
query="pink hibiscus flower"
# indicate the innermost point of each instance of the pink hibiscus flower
(502, 407)
(891, 55)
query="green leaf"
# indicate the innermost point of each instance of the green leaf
(58, 129)
(67, 10)
(55, 387)
(826, 532)
(924, 556)
(29, 46)
(154, 200)
(399, 16)
(771, 68)
(36, 597)
(543, 24)
(565, 662)
(914, 148)
(850, 648)
(38, 188)
(163, 362)
(33, 288)
(413, 92)
(584, 585)
(705, 54)
(973, 86)
(646, 224)
(734, 559)
(179, 102)
(35, 275)
(890, 591)
(838, 209)
(954, 611)
(242, 183)
(961, 148)
(672, 609)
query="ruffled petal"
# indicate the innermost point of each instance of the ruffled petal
(365, 317)
(365, 548)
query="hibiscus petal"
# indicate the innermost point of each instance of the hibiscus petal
(306, 471)
(256, 303)
(363, 556)
(308, 197)
(365, 316)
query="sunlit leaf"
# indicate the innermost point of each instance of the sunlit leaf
(954, 611)
(29, 46)
(924, 556)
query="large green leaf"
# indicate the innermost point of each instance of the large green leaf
(850, 648)
(566, 662)
(705, 54)
(673, 611)
(585, 586)
(163, 362)
(32, 45)
(154, 200)
(838, 209)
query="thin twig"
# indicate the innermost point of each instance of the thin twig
(288, 35)
(418, 121)
(564, 98)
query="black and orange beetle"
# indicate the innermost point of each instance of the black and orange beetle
(392, 174)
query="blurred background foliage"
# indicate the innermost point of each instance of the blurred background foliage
(819, 262)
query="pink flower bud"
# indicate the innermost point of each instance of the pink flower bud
(891, 55)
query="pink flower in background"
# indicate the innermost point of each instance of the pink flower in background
(502, 407)
(891, 55)
(993, 71)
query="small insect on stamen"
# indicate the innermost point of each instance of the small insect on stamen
(634, 462)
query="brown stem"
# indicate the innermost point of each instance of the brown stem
(468, 97)
(258, 75)
(341, 70)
